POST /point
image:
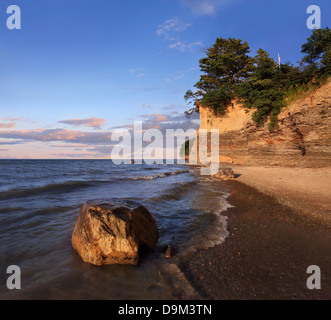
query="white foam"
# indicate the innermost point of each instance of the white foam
(224, 203)
(215, 234)
(161, 175)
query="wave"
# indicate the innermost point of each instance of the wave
(11, 209)
(24, 217)
(69, 186)
(175, 193)
(161, 175)
(219, 231)
(224, 203)
(211, 230)
(50, 188)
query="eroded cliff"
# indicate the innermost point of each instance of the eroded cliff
(303, 136)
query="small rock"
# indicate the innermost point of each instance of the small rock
(170, 252)
(225, 174)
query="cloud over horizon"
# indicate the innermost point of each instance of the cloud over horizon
(7, 125)
(92, 122)
(51, 135)
(84, 143)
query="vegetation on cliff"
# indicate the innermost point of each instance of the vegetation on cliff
(263, 90)
(261, 84)
(226, 66)
(186, 148)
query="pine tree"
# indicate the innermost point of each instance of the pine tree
(262, 92)
(318, 52)
(226, 66)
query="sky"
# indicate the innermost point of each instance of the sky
(78, 70)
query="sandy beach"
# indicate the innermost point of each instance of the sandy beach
(274, 236)
(306, 190)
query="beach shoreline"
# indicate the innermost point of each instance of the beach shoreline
(305, 190)
(267, 254)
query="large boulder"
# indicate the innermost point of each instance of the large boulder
(114, 231)
(225, 174)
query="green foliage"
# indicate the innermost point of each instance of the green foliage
(193, 97)
(186, 148)
(262, 85)
(263, 91)
(227, 65)
(299, 91)
(315, 67)
(318, 52)
(273, 124)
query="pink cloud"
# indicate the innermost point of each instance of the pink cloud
(92, 122)
(49, 135)
(155, 117)
(74, 155)
(69, 145)
(161, 118)
(7, 125)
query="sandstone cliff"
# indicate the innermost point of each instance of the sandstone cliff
(303, 137)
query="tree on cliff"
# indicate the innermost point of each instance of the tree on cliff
(318, 52)
(263, 90)
(226, 66)
(229, 73)
(186, 148)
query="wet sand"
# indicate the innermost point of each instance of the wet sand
(306, 190)
(267, 254)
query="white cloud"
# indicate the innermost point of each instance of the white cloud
(170, 29)
(183, 73)
(204, 7)
(171, 26)
(182, 46)
(170, 107)
(139, 72)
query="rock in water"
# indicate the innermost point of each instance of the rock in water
(114, 231)
(170, 252)
(225, 174)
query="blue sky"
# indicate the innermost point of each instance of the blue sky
(77, 69)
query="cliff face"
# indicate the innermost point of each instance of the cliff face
(302, 139)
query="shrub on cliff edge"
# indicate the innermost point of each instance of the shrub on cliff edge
(226, 66)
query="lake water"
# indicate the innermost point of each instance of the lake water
(40, 201)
